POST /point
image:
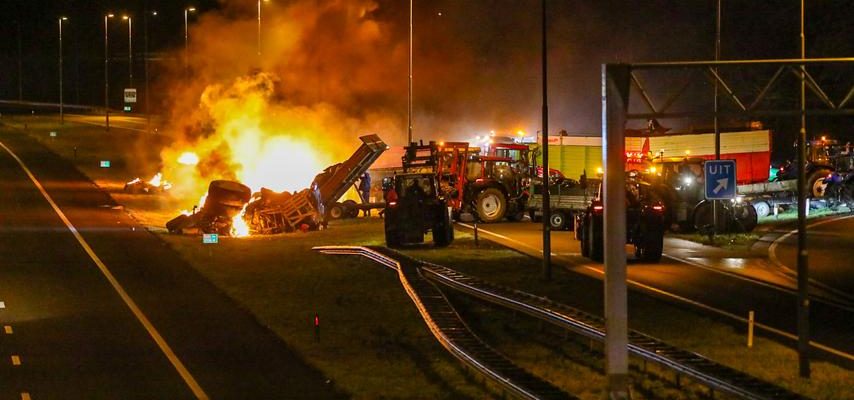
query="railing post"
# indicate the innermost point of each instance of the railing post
(615, 96)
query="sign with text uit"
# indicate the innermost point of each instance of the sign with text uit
(210, 238)
(720, 179)
(130, 95)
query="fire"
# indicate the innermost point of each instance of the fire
(239, 228)
(156, 180)
(188, 158)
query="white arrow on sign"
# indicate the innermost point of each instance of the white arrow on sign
(722, 185)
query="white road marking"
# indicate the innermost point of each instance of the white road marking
(16, 360)
(7, 329)
(772, 255)
(599, 271)
(137, 312)
(2, 304)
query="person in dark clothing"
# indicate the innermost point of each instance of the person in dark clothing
(365, 191)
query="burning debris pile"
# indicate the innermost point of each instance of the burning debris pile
(231, 209)
(155, 185)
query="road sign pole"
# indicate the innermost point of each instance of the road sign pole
(547, 234)
(615, 95)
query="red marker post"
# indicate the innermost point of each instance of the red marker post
(316, 327)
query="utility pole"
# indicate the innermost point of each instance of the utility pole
(803, 270)
(20, 65)
(107, 71)
(145, 58)
(547, 233)
(409, 101)
(61, 106)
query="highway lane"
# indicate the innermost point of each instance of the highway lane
(725, 292)
(75, 336)
(830, 243)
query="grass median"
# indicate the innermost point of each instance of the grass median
(371, 341)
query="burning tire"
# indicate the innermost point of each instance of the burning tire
(491, 205)
(226, 198)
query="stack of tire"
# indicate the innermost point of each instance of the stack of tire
(224, 201)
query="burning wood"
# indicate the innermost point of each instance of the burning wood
(155, 185)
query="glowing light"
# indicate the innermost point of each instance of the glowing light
(599, 170)
(652, 169)
(188, 158)
(520, 132)
(687, 152)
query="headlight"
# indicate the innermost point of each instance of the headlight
(688, 180)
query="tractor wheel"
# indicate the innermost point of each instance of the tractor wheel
(744, 217)
(651, 244)
(351, 209)
(815, 183)
(762, 209)
(336, 211)
(226, 198)
(557, 220)
(491, 205)
(596, 234)
(704, 218)
(584, 237)
(443, 232)
(392, 238)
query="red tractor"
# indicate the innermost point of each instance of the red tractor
(486, 187)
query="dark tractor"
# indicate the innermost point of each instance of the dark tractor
(644, 223)
(413, 208)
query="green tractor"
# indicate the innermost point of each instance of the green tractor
(414, 206)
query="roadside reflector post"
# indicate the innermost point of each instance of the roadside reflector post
(807, 208)
(475, 235)
(750, 329)
(615, 95)
(316, 327)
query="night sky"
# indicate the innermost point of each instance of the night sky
(498, 39)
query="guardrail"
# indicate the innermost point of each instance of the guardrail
(450, 330)
(703, 370)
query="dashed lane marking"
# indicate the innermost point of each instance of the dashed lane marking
(16, 360)
(7, 329)
(131, 304)
(2, 304)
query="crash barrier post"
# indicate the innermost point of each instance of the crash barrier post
(750, 321)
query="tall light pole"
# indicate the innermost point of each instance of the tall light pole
(547, 234)
(20, 65)
(130, 49)
(145, 59)
(61, 106)
(259, 27)
(187, 11)
(107, 71)
(409, 99)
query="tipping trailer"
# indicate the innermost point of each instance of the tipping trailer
(337, 179)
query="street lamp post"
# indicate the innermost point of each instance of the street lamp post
(259, 27)
(145, 58)
(20, 65)
(130, 49)
(409, 98)
(107, 71)
(61, 105)
(187, 39)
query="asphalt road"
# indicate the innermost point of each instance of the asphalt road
(725, 292)
(66, 332)
(831, 253)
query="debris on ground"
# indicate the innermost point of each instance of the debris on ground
(231, 209)
(155, 185)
